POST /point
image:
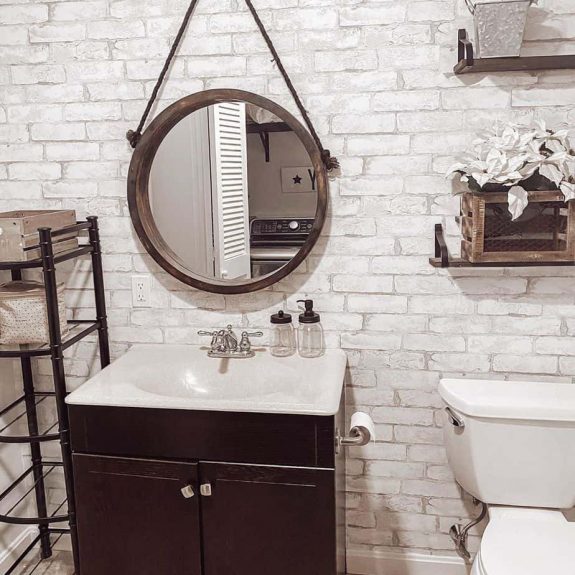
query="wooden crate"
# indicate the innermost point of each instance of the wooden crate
(545, 232)
(19, 233)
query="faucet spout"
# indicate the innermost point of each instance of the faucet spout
(230, 340)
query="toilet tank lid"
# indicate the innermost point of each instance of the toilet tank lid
(510, 399)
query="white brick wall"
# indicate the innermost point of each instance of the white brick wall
(376, 79)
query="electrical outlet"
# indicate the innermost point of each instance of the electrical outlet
(141, 291)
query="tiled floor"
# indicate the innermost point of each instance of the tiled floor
(59, 564)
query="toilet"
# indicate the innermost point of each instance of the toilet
(512, 446)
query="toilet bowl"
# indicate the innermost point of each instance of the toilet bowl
(526, 542)
(512, 446)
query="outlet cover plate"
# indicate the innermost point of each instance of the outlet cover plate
(141, 291)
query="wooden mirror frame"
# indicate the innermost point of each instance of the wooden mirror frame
(139, 200)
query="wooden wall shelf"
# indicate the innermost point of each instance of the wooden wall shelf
(443, 258)
(468, 64)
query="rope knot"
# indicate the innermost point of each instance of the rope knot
(330, 162)
(133, 137)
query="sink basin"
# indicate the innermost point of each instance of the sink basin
(184, 377)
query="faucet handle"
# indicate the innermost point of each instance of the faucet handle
(204, 332)
(245, 343)
(214, 344)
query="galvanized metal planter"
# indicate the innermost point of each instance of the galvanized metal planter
(499, 26)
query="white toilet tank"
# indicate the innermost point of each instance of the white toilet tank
(515, 444)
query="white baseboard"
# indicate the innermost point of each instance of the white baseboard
(359, 562)
(367, 562)
(13, 551)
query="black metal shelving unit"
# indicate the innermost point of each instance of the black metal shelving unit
(30, 399)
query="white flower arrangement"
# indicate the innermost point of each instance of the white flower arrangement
(508, 155)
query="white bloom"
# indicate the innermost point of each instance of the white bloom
(517, 198)
(509, 154)
(568, 190)
(551, 172)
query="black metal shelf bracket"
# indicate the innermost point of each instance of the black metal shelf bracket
(54, 349)
(464, 48)
(265, 138)
(441, 251)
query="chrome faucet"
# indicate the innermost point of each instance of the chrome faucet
(225, 343)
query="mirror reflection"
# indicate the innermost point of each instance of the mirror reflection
(233, 192)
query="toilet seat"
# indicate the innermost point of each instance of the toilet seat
(522, 541)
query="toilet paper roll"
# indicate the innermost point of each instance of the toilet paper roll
(361, 419)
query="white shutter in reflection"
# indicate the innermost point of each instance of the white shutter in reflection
(230, 190)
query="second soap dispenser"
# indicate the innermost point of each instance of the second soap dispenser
(310, 332)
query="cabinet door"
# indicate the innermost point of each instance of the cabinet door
(134, 519)
(262, 520)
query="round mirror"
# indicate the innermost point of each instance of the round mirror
(227, 191)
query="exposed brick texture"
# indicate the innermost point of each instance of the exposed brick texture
(375, 77)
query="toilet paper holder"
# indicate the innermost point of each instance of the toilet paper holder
(358, 436)
(361, 432)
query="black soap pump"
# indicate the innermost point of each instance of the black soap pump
(310, 332)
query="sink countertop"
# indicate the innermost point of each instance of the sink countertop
(184, 377)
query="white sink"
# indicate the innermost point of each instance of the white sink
(184, 377)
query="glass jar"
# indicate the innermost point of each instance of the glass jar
(283, 335)
(310, 339)
(310, 332)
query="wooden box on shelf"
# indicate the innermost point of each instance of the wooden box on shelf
(19, 233)
(545, 232)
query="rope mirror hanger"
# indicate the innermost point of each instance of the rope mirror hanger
(134, 136)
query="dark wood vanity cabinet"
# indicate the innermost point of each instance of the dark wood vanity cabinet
(133, 517)
(168, 507)
(267, 520)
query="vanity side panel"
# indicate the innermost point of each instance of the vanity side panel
(325, 436)
(273, 439)
(340, 489)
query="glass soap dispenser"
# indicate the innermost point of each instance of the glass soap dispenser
(283, 334)
(310, 332)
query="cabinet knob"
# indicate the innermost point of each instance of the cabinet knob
(188, 491)
(206, 489)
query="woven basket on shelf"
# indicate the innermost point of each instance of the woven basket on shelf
(23, 313)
